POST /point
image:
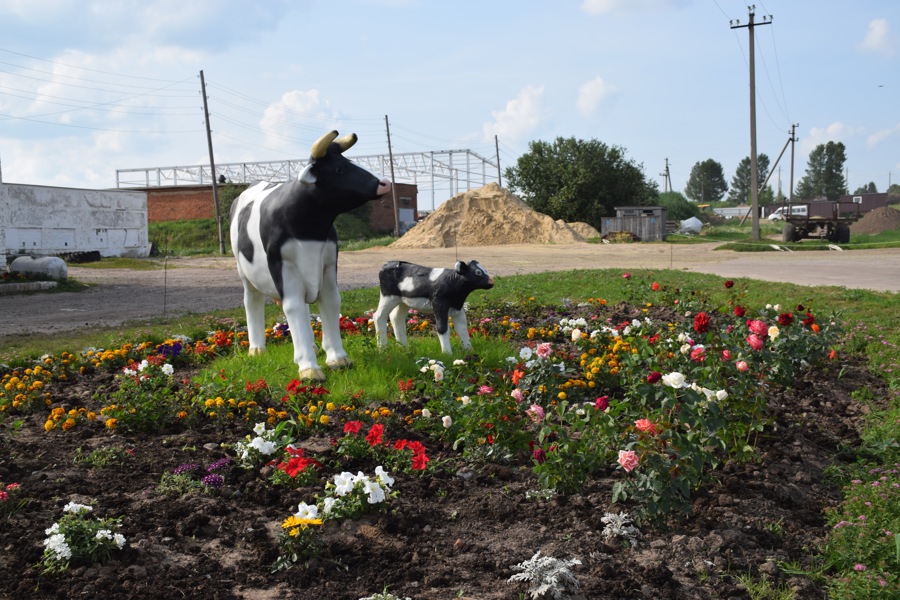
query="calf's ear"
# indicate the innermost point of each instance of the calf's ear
(460, 266)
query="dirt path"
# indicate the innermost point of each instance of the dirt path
(205, 284)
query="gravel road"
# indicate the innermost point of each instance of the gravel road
(189, 285)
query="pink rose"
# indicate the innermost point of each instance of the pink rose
(646, 425)
(726, 354)
(536, 413)
(697, 354)
(742, 366)
(755, 342)
(626, 275)
(517, 395)
(601, 403)
(628, 459)
(758, 327)
(543, 350)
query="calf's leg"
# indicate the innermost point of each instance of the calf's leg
(461, 327)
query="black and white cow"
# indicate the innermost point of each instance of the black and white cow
(405, 285)
(285, 245)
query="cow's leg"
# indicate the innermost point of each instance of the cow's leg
(255, 308)
(398, 323)
(442, 322)
(461, 327)
(330, 311)
(386, 304)
(296, 310)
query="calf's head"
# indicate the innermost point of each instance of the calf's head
(341, 185)
(474, 276)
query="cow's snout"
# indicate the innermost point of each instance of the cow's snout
(384, 187)
(490, 282)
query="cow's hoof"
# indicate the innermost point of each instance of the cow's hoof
(257, 351)
(340, 363)
(314, 374)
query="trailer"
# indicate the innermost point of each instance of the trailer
(820, 220)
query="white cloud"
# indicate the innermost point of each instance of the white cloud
(835, 132)
(591, 93)
(520, 117)
(882, 135)
(281, 119)
(878, 38)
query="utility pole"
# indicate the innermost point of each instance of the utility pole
(667, 180)
(497, 152)
(393, 183)
(794, 127)
(754, 177)
(212, 167)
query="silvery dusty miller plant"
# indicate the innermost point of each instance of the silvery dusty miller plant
(547, 575)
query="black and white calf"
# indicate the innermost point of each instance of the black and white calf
(285, 245)
(405, 285)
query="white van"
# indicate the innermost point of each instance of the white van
(794, 210)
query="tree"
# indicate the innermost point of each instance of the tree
(706, 182)
(869, 188)
(740, 183)
(894, 189)
(577, 180)
(824, 173)
(678, 208)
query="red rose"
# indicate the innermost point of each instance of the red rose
(701, 323)
(739, 311)
(758, 327)
(654, 377)
(626, 275)
(729, 284)
(654, 286)
(755, 342)
(785, 319)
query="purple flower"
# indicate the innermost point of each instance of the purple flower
(213, 480)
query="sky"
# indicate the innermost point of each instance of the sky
(89, 86)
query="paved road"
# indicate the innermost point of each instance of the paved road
(204, 284)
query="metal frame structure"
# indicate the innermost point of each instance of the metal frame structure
(440, 171)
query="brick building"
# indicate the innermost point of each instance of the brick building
(184, 203)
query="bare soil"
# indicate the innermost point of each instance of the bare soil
(453, 533)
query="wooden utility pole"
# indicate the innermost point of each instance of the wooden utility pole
(667, 181)
(793, 140)
(393, 183)
(497, 152)
(212, 167)
(754, 177)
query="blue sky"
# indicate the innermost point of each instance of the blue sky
(90, 87)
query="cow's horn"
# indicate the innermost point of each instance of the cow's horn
(321, 145)
(346, 142)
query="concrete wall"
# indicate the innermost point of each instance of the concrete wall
(42, 220)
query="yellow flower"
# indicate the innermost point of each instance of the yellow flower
(323, 419)
(111, 423)
(49, 425)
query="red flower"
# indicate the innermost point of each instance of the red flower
(739, 311)
(809, 320)
(517, 375)
(626, 275)
(758, 327)
(374, 435)
(353, 427)
(601, 403)
(646, 426)
(654, 377)
(785, 319)
(654, 286)
(405, 386)
(698, 354)
(419, 462)
(755, 341)
(295, 386)
(729, 284)
(539, 456)
(701, 322)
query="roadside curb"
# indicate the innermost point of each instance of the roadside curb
(28, 286)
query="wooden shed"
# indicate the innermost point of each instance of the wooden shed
(645, 223)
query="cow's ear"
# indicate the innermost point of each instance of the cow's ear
(307, 176)
(460, 266)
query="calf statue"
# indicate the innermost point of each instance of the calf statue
(285, 245)
(405, 285)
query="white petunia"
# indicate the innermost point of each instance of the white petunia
(74, 507)
(375, 491)
(307, 511)
(525, 353)
(383, 476)
(447, 420)
(168, 369)
(263, 446)
(259, 428)
(721, 395)
(343, 483)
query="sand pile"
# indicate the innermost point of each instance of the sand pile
(490, 216)
(878, 220)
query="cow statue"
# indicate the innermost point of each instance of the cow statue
(285, 245)
(405, 285)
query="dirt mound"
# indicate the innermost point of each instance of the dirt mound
(490, 216)
(877, 221)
